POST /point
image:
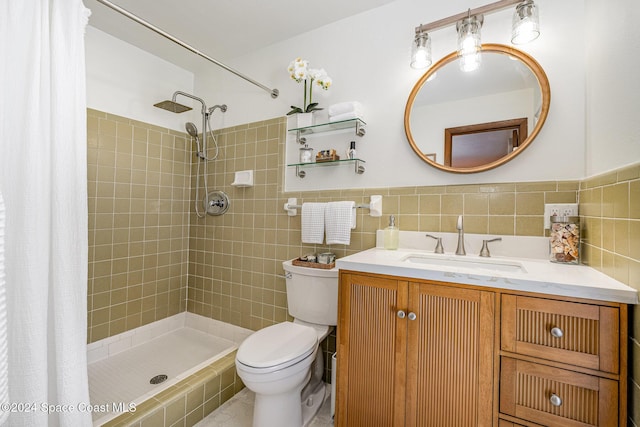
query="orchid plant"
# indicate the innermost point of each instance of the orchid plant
(300, 72)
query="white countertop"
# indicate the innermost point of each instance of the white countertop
(539, 275)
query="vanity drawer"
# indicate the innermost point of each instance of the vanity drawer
(553, 396)
(584, 335)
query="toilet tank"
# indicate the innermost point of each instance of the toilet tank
(312, 294)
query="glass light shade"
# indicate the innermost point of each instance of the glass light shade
(469, 41)
(525, 25)
(421, 51)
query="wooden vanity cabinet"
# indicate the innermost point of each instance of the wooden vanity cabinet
(422, 353)
(414, 353)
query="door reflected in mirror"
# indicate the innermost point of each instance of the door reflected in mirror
(476, 145)
(474, 121)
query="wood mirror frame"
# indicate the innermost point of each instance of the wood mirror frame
(543, 83)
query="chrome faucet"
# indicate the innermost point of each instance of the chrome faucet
(460, 250)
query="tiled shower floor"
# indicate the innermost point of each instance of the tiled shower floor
(124, 377)
(238, 412)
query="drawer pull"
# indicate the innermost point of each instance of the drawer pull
(555, 400)
(412, 316)
(401, 314)
(557, 332)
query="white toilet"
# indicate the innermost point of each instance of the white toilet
(282, 363)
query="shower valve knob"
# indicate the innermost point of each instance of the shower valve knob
(216, 203)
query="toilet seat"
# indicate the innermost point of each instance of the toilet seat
(277, 347)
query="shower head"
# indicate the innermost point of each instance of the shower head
(191, 129)
(222, 108)
(172, 106)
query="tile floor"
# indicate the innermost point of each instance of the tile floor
(238, 412)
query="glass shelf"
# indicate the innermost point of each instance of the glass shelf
(356, 124)
(327, 162)
(358, 168)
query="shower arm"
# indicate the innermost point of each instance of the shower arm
(274, 92)
(188, 95)
(204, 116)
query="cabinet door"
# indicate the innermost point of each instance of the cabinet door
(450, 356)
(371, 352)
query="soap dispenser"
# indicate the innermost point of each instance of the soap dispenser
(391, 234)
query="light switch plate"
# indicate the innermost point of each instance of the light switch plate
(559, 209)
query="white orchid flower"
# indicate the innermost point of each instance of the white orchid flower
(300, 72)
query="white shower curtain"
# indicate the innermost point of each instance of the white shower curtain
(44, 183)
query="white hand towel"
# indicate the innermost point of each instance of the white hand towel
(346, 116)
(313, 222)
(339, 220)
(4, 368)
(344, 107)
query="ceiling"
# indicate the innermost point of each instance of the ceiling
(222, 29)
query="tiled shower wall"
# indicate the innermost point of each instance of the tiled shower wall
(610, 211)
(138, 186)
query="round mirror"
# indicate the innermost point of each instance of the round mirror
(474, 121)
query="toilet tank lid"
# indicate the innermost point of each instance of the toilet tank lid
(277, 344)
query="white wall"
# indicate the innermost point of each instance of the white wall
(367, 56)
(613, 86)
(125, 80)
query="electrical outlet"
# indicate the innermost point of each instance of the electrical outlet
(559, 209)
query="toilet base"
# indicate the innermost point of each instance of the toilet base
(312, 404)
(278, 410)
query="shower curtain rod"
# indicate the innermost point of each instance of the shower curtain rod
(274, 92)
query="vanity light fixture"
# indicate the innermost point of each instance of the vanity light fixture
(525, 25)
(421, 51)
(525, 28)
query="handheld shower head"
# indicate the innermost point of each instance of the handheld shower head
(191, 129)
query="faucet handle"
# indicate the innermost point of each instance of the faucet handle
(439, 249)
(484, 252)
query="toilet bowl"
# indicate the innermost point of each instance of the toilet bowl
(282, 364)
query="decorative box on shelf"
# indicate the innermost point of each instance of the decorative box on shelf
(327, 156)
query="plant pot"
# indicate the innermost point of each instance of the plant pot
(304, 120)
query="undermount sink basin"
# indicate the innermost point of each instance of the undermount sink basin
(461, 261)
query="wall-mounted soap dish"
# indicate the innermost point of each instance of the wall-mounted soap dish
(243, 179)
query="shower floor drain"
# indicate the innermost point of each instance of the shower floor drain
(158, 379)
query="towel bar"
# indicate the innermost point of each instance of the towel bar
(374, 206)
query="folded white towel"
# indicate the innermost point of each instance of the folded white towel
(313, 222)
(346, 116)
(340, 218)
(344, 107)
